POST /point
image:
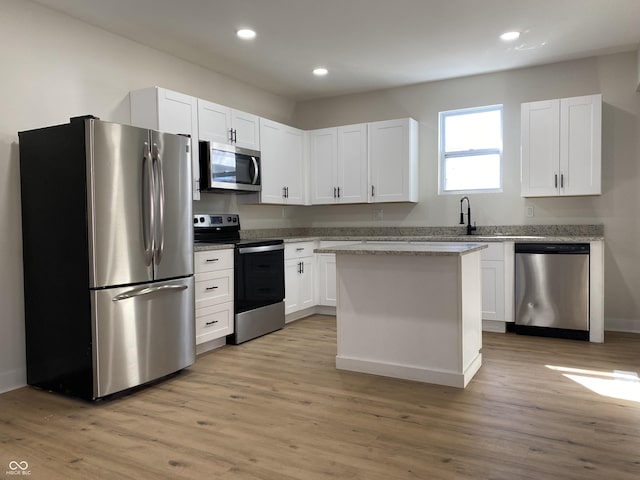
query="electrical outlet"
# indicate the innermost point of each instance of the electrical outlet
(530, 211)
(378, 214)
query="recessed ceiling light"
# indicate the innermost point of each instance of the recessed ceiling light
(320, 71)
(246, 34)
(508, 36)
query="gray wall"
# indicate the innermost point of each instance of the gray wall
(615, 76)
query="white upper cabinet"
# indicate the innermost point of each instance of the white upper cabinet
(221, 124)
(323, 161)
(282, 162)
(393, 161)
(561, 147)
(171, 112)
(338, 158)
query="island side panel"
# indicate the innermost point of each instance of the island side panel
(471, 307)
(400, 316)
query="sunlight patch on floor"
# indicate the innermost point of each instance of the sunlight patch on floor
(615, 384)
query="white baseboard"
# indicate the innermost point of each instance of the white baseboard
(406, 372)
(307, 312)
(630, 325)
(211, 345)
(495, 326)
(13, 379)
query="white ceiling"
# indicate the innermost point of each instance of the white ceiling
(365, 44)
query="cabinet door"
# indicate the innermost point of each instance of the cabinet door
(307, 289)
(393, 161)
(292, 274)
(327, 279)
(214, 122)
(272, 162)
(246, 128)
(580, 145)
(540, 142)
(293, 157)
(492, 290)
(352, 164)
(323, 159)
(171, 112)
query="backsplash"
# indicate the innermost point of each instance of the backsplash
(515, 230)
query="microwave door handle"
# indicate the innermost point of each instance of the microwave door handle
(160, 197)
(256, 172)
(148, 210)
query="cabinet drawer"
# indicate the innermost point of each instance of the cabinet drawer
(298, 249)
(214, 322)
(212, 260)
(213, 288)
(495, 251)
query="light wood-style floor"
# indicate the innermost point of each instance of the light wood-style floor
(276, 408)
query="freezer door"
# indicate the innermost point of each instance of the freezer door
(119, 197)
(173, 252)
(141, 333)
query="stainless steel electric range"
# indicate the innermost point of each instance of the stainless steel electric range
(258, 275)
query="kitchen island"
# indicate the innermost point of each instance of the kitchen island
(409, 311)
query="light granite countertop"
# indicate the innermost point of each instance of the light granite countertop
(496, 233)
(455, 238)
(203, 247)
(422, 249)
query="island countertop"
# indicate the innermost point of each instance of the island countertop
(422, 249)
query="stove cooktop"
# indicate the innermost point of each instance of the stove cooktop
(223, 228)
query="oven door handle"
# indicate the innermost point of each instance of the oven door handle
(261, 248)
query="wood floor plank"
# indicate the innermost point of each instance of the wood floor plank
(277, 408)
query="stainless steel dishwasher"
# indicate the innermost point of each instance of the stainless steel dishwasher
(552, 289)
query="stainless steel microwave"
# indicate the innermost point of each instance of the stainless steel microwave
(229, 167)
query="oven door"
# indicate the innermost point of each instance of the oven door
(259, 276)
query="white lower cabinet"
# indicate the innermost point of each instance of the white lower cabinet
(326, 263)
(299, 276)
(492, 290)
(327, 279)
(214, 294)
(497, 285)
(303, 290)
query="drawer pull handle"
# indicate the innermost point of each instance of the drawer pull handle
(211, 323)
(210, 288)
(209, 260)
(300, 249)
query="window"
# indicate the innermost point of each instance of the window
(471, 150)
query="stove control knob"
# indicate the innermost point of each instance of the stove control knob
(228, 219)
(235, 220)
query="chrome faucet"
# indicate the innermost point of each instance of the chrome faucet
(470, 228)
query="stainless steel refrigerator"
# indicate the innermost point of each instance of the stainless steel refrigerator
(108, 256)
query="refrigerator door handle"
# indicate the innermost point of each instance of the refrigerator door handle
(149, 217)
(138, 292)
(157, 160)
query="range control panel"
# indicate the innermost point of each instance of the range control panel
(216, 220)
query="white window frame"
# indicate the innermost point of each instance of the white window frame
(443, 156)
